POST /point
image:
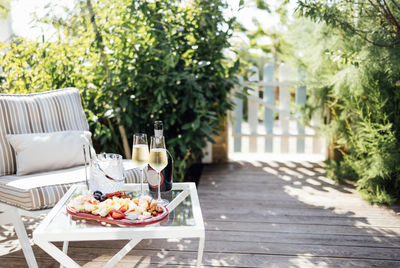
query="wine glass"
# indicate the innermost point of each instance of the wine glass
(140, 155)
(158, 161)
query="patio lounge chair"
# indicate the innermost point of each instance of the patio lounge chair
(33, 194)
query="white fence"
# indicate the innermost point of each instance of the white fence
(274, 122)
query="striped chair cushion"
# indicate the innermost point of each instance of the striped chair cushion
(49, 111)
(38, 191)
(133, 176)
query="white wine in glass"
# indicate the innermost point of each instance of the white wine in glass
(140, 155)
(158, 158)
(158, 161)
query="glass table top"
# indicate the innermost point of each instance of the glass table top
(181, 215)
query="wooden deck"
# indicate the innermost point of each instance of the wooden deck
(260, 214)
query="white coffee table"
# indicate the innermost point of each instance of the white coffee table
(58, 225)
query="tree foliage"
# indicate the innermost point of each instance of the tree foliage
(354, 63)
(261, 44)
(4, 8)
(135, 62)
(376, 21)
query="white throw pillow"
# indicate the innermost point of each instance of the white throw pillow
(39, 152)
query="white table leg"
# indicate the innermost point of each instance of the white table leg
(65, 250)
(125, 250)
(200, 251)
(57, 254)
(23, 239)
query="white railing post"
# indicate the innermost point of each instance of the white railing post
(252, 109)
(269, 97)
(238, 120)
(284, 106)
(316, 141)
(207, 154)
(300, 100)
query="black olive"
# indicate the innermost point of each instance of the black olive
(103, 198)
(97, 196)
(97, 192)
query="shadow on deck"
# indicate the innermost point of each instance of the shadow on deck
(258, 214)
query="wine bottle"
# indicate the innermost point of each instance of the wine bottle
(166, 173)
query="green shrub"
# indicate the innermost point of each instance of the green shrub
(354, 76)
(135, 62)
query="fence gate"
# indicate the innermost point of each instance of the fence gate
(269, 120)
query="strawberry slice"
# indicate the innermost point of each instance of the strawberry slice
(117, 214)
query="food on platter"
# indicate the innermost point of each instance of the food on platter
(116, 208)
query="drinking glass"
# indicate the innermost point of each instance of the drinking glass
(140, 155)
(158, 161)
(106, 173)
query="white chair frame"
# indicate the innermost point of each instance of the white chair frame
(13, 215)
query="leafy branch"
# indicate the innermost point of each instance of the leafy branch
(383, 31)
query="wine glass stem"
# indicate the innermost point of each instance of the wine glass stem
(159, 186)
(141, 183)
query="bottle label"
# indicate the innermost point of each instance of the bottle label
(158, 132)
(152, 178)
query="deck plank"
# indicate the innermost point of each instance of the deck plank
(259, 214)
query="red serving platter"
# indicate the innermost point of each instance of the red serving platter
(123, 221)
